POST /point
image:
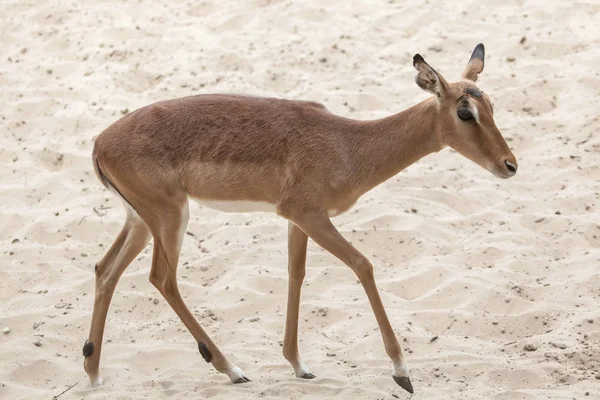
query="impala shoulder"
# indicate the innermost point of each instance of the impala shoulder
(316, 104)
(311, 105)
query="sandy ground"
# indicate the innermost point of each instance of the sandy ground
(487, 267)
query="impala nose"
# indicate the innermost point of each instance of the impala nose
(511, 167)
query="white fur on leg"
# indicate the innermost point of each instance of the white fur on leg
(400, 369)
(300, 369)
(96, 381)
(235, 373)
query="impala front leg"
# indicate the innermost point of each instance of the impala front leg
(318, 226)
(297, 242)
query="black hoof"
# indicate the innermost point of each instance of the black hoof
(243, 379)
(404, 382)
(308, 375)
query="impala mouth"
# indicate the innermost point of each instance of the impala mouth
(503, 176)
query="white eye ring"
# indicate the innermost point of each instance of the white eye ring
(473, 108)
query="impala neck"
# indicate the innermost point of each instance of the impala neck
(388, 145)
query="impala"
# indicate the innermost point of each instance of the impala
(294, 158)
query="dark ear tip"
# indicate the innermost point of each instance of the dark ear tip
(479, 52)
(417, 59)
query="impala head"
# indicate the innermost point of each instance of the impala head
(467, 116)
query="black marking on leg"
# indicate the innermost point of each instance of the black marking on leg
(308, 375)
(404, 382)
(206, 354)
(88, 349)
(96, 268)
(243, 379)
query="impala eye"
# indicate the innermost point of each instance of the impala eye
(465, 114)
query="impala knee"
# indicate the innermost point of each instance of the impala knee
(105, 279)
(157, 280)
(99, 269)
(363, 268)
(165, 286)
(297, 274)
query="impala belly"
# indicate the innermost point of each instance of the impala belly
(241, 206)
(231, 187)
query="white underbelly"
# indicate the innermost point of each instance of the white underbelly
(238, 206)
(243, 206)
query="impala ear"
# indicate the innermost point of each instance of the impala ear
(428, 79)
(475, 65)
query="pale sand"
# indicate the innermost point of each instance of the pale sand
(486, 266)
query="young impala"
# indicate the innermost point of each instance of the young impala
(295, 158)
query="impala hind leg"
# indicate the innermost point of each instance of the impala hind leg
(297, 242)
(129, 243)
(168, 227)
(318, 226)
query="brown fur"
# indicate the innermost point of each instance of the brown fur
(226, 147)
